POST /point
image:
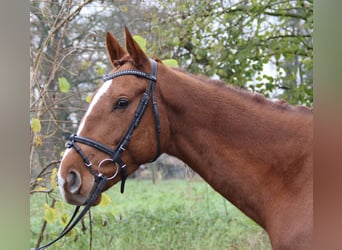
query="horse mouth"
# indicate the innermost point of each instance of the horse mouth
(79, 199)
(82, 201)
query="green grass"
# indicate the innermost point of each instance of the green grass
(174, 214)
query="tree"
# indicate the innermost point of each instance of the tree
(237, 41)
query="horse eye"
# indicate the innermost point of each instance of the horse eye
(121, 103)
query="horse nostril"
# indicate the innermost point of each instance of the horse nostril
(74, 181)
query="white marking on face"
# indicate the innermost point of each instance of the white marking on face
(103, 89)
(60, 179)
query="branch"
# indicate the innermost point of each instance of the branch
(287, 36)
(41, 235)
(42, 191)
(299, 37)
(55, 29)
(34, 183)
(285, 14)
(90, 231)
(247, 9)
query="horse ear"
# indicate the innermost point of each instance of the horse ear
(134, 50)
(114, 50)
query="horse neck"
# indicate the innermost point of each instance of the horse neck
(244, 146)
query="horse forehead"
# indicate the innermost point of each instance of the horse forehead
(107, 88)
(102, 90)
(120, 85)
(96, 98)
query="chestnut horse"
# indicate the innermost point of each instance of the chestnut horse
(255, 152)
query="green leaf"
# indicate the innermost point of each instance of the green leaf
(170, 62)
(35, 125)
(141, 41)
(49, 213)
(63, 84)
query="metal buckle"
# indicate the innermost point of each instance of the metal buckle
(111, 161)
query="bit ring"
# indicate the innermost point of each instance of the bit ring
(111, 161)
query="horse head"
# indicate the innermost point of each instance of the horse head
(119, 131)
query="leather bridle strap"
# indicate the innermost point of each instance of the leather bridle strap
(73, 222)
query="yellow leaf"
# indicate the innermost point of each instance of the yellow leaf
(64, 219)
(73, 232)
(101, 71)
(88, 98)
(35, 125)
(40, 189)
(53, 178)
(38, 141)
(105, 200)
(123, 8)
(99, 83)
(49, 213)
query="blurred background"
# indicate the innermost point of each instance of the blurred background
(261, 46)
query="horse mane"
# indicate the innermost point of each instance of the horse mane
(255, 97)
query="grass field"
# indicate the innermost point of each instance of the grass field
(173, 214)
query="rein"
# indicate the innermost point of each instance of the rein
(115, 154)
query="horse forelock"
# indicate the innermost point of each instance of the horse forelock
(120, 62)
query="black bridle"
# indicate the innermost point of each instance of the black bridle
(115, 155)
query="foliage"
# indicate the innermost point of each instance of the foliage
(240, 41)
(174, 214)
(143, 42)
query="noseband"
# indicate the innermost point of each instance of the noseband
(115, 155)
